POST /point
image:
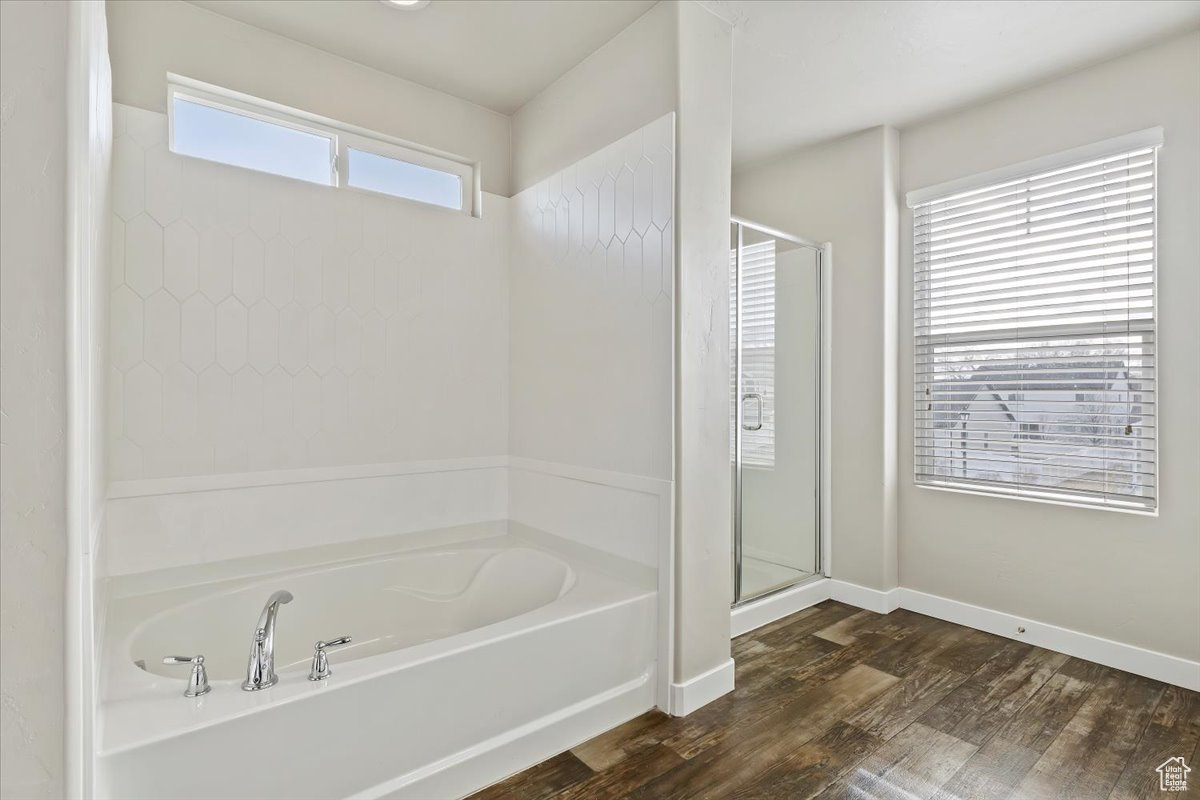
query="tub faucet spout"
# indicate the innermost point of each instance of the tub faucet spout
(260, 669)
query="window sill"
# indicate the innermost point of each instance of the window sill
(1140, 512)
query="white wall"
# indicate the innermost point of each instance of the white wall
(842, 192)
(150, 38)
(626, 84)
(33, 402)
(1134, 579)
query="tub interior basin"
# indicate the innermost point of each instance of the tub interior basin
(384, 604)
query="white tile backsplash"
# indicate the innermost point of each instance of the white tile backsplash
(259, 323)
(591, 300)
(271, 337)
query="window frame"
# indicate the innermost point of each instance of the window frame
(341, 136)
(1150, 138)
(364, 144)
(233, 106)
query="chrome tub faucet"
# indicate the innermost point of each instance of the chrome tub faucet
(260, 669)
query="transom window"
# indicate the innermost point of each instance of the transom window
(219, 125)
(1034, 311)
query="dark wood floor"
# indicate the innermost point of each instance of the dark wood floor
(834, 702)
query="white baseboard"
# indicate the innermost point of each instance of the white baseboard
(863, 597)
(701, 690)
(1127, 657)
(496, 759)
(746, 618)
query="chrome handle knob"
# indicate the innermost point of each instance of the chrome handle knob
(198, 680)
(333, 642)
(319, 670)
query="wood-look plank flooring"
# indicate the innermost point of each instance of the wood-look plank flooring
(835, 702)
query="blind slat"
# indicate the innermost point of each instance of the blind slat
(1117, 203)
(1113, 441)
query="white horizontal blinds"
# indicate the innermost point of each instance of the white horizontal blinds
(1035, 334)
(758, 350)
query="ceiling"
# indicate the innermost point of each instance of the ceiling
(809, 71)
(804, 70)
(495, 54)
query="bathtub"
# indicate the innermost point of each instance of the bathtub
(474, 652)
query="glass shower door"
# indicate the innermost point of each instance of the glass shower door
(775, 380)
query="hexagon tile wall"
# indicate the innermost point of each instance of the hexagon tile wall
(591, 307)
(258, 322)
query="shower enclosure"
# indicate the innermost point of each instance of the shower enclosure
(776, 344)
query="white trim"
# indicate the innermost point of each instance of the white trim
(766, 610)
(1151, 137)
(88, 115)
(826, 454)
(701, 690)
(1040, 498)
(666, 600)
(513, 751)
(621, 480)
(77, 661)
(246, 480)
(1127, 657)
(881, 602)
(372, 145)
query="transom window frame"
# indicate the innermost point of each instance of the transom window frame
(1149, 139)
(341, 136)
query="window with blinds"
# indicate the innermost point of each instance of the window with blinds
(1034, 309)
(758, 351)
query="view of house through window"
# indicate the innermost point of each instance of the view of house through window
(1035, 335)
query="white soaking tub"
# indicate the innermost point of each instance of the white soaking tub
(474, 652)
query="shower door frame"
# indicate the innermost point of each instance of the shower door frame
(824, 253)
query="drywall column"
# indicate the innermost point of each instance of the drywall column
(703, 668)
(33, 82)
(844, 192)
(676, 57)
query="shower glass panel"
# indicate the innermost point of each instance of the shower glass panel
(775, 329)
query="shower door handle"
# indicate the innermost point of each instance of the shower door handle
(757, 425)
